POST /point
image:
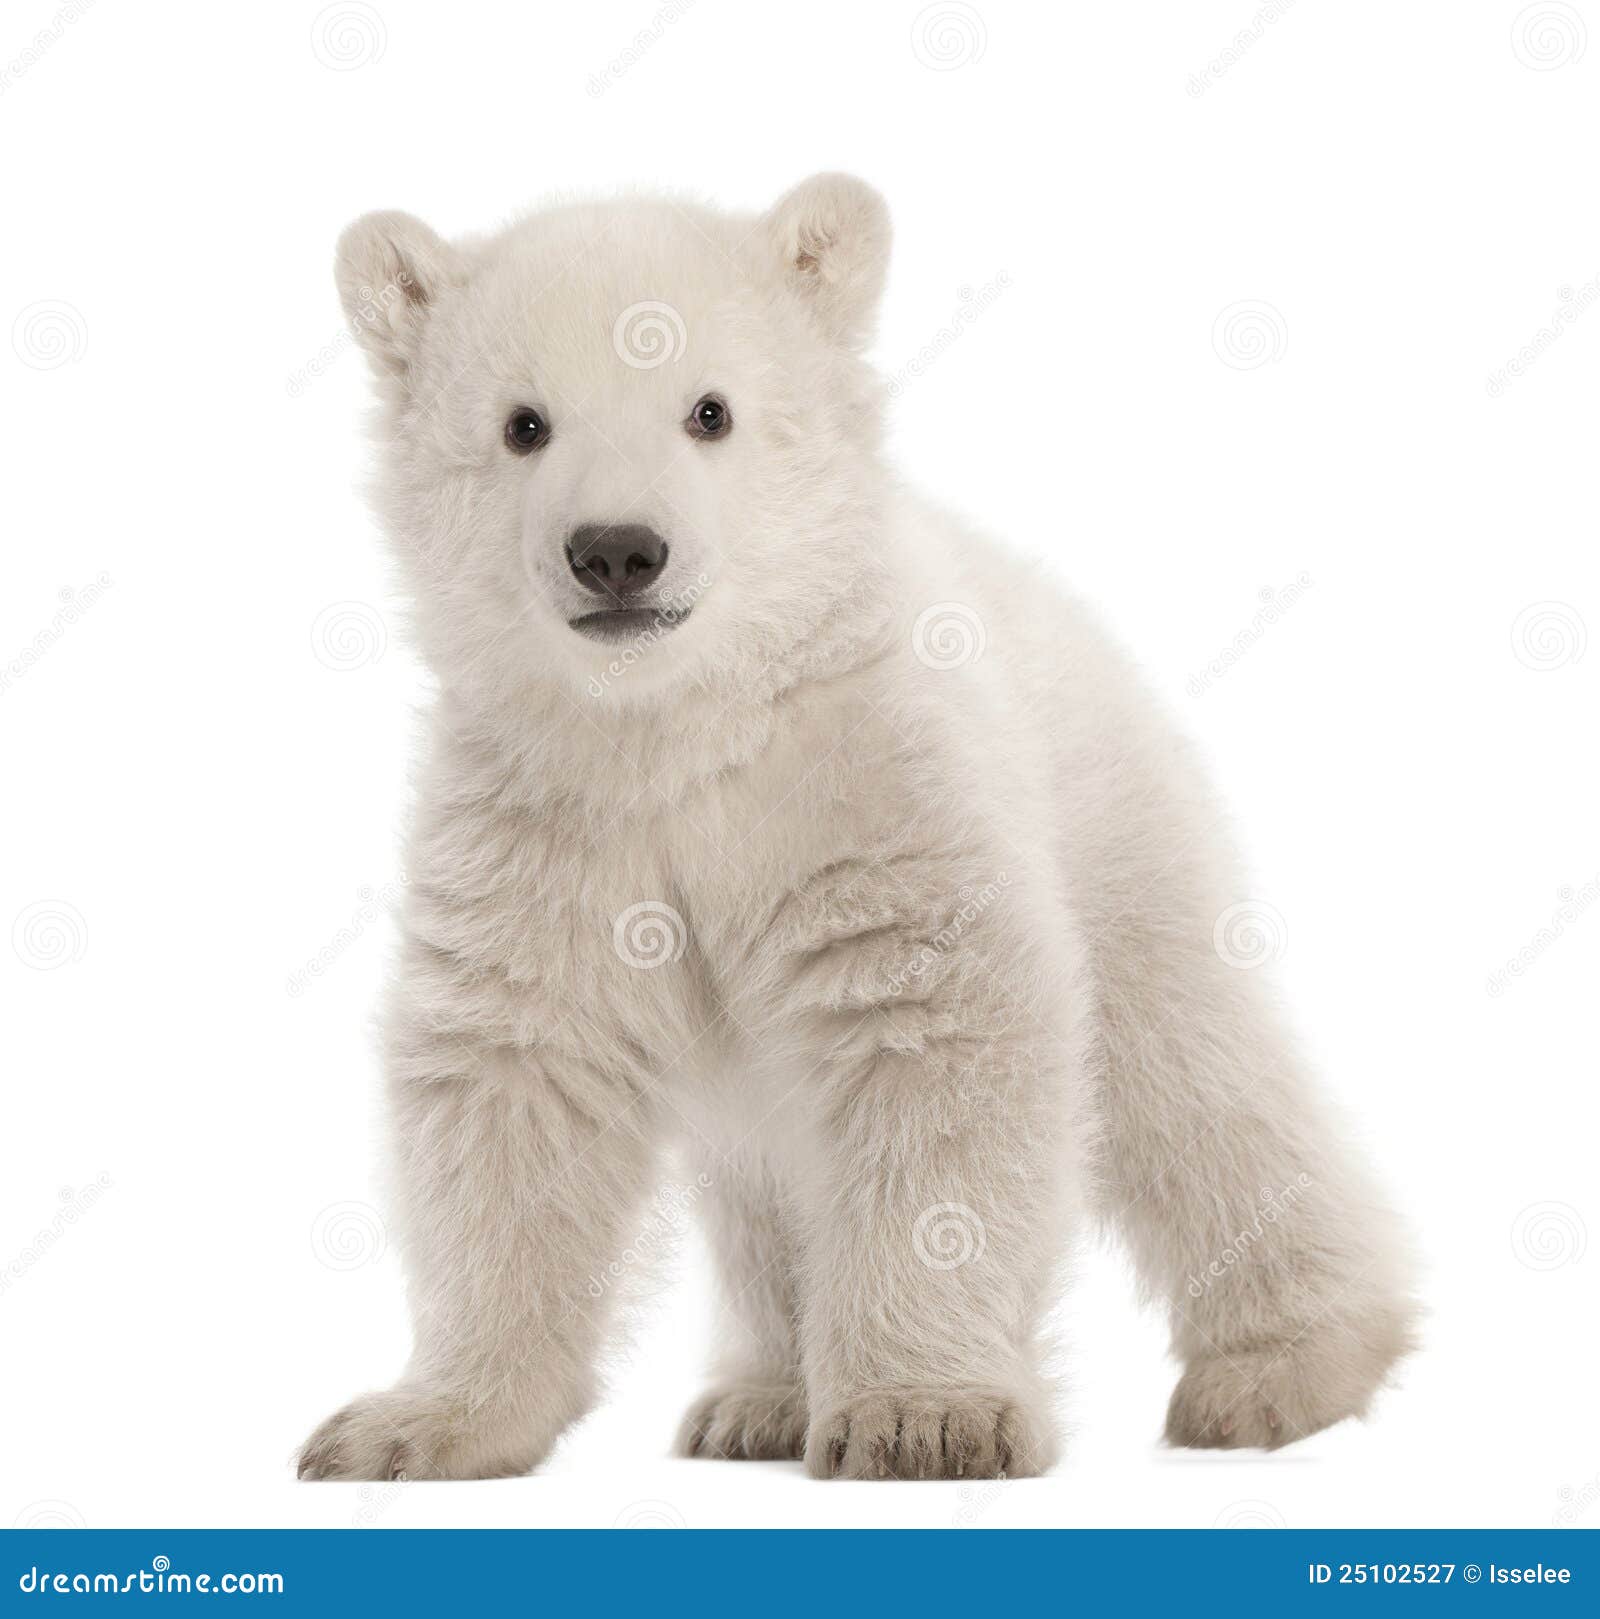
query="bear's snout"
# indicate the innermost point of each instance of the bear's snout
(616, 562)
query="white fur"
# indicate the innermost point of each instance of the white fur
(939, 979)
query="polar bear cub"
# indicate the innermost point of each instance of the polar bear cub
(771, 815)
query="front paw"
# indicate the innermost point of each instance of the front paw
(747, 1422)
(929, 1433)
(408, 1433)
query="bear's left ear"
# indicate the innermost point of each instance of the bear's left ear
(832, 237)
(391, 269)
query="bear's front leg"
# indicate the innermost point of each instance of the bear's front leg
(517, 1168)
(948, 1144)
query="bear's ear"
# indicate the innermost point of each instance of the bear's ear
(832, 237)
(391, 268)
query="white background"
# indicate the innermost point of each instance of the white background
(201, 797)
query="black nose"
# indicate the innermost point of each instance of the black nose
(616, 561)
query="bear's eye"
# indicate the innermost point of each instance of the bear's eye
(526, 430)
(709, 418)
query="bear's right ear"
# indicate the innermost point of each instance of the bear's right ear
(391, 268)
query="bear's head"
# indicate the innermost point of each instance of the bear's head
(627, 444)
